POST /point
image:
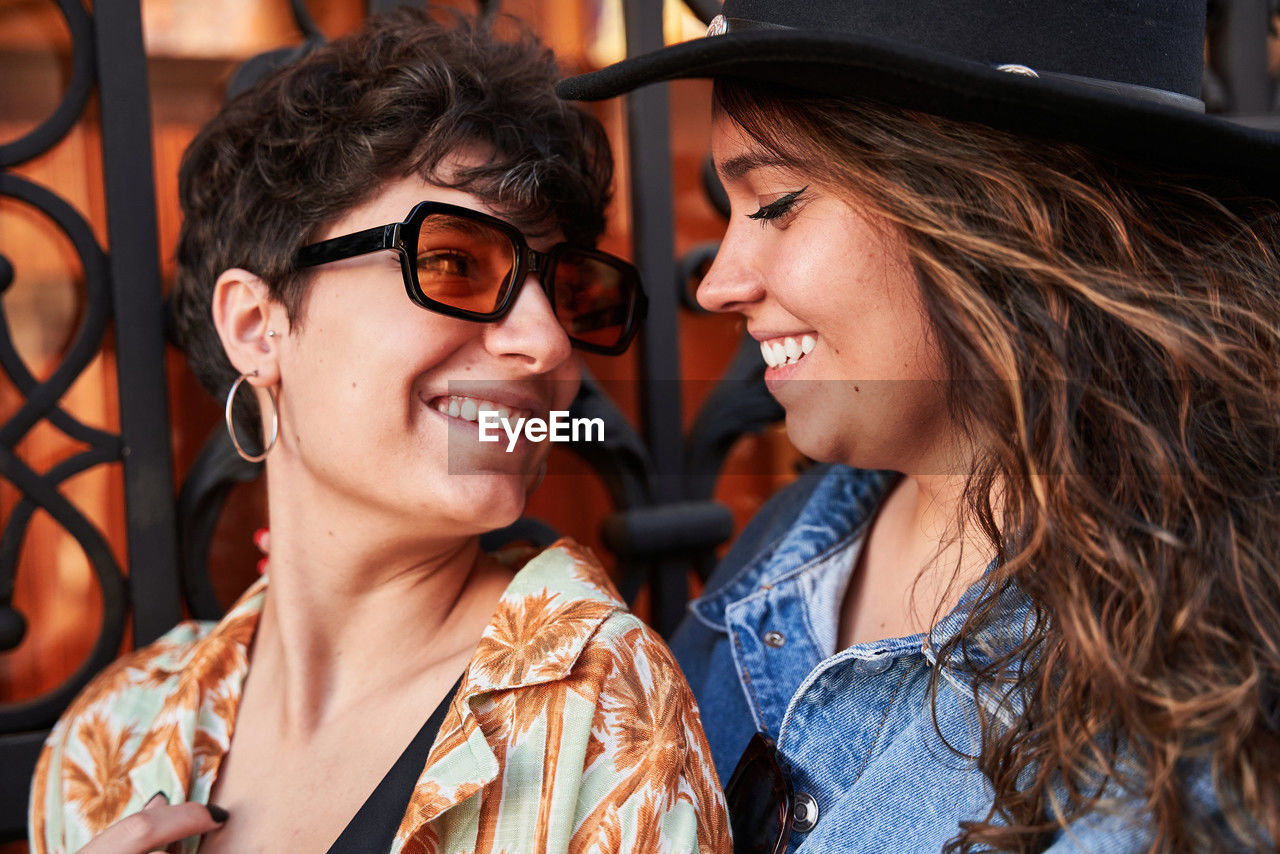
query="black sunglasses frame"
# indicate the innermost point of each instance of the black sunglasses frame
(761, 752)
(402, 237)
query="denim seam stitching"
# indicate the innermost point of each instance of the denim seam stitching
(766, 554)
(871, 748)
(769, 552)
(823, 666)
(744, 678)
(821, 556)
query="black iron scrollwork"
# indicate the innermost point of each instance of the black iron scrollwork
(123, 286)
(79, 87)
(40, 491)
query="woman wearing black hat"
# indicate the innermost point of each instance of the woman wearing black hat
(1011, 280)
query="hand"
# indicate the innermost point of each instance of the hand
(262, 539)
(156, 826)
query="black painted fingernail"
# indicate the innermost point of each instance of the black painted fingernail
(217, 813)
(151, 800)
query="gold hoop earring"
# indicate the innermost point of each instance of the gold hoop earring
(231, 427)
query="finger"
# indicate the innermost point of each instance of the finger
(154, 828)
(262, 539)
(156, 800)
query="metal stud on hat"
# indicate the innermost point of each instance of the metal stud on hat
(1014, 68)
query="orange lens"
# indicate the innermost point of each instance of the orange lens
(592, 298)
(463, 263)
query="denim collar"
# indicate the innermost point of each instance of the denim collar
(844, 500)
(840, 504)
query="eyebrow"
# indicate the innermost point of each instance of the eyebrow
(450, 223)
(738, 166)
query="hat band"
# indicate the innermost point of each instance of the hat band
(721, 25)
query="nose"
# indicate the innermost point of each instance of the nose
(734, 282)
(530, 332)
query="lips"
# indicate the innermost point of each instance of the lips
(786, 350)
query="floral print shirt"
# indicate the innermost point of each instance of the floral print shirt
(573, 731)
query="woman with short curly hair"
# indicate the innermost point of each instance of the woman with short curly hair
(385, 245)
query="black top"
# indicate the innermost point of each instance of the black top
(373, 827)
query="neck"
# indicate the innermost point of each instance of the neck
(915, 563)
(947, 557)
(358, 608)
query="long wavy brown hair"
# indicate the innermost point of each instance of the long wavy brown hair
(1113, 335)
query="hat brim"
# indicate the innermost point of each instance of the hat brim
(843, 65)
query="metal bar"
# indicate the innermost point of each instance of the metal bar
(139, 315)
(648, 139)
(18, 754)
(306, 23)
(649, 145)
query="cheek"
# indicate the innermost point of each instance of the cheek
(360, 376)
(567, 379)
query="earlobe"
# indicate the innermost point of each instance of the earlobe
(246, 318)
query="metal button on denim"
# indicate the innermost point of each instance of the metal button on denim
(805, 811)
(774, 639)
(876, 666)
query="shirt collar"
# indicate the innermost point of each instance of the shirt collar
(844, 500)
(550, 610)
(1007, 625)
(233, 633)
(547, 614)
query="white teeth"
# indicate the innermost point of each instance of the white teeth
(766, 353)
(786, 351)
(469, 409)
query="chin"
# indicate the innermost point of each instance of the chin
(487, 502)
(818, 438)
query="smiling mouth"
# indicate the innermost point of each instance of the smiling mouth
(778, 352)
(469, 408)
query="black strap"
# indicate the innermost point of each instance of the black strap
(373, 827)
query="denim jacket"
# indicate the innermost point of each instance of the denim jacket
(856, 727)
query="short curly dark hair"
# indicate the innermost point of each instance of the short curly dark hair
(322, 135)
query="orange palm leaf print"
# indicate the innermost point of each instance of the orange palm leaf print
(101, 790)
(651, 734)
(531, 635)
(648, 832)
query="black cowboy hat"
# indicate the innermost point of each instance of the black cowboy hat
(1120, 75)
